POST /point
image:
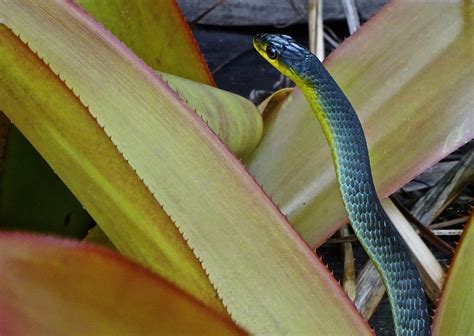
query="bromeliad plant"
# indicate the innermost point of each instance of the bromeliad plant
(159, 181)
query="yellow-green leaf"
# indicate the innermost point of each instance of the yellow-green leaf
(454, 312)
(82, 154)
(156, 31)
(269, 280)
(60, 287)
(32, 197)
(409, 74)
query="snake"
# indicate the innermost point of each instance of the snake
(345, 136)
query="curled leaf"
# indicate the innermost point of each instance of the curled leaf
(236, 120)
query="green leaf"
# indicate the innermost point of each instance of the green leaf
(59, 287)
(454, 312)
(408, 73)
(269, 280)
(32, 197)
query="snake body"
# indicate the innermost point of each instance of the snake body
(346, 139)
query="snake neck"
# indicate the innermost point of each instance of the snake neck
(371, 224)
(345, 136)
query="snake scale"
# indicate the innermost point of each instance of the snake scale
(346, 139)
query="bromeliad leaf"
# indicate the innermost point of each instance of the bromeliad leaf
(32, 197)
(156, 31)
(454, 313)
(107, 176)
(59, 287)
(234, 119)
(77, 148)
(228, 220)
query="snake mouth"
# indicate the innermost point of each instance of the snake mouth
(283, 53)
(260, 42)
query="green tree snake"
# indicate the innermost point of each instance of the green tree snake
(346, 139)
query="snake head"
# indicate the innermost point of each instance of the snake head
(284, 53)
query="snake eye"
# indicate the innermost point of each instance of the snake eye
(272, 53)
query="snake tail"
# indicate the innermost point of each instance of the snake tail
(348, 145)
